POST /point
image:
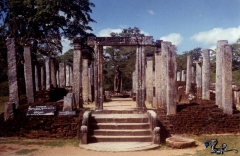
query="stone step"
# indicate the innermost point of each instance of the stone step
(100, 138)
(119, 118)
(119, 132)
(120, 111)
(119, 126)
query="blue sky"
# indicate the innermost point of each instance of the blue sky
(186, 23)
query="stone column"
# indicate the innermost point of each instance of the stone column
(77, 79)
(28, 74)
(171, 81)
(43, 78)
(62, 75)
(85, 78)
(141, 73)
(193, 75)
(12, 72)
(149, 79)
(48, 74)
(53, 74)
(199, 79)
(189, 74)
(158, 71)
(219, 59)
(206, 75)
(178, 76)
(98, 77)
(227, 79)
(134, 81)
(165, 50)
(91, 82)
(183, 78)
(57, 77)
(37, 86)
(70, 76)
(67, 75)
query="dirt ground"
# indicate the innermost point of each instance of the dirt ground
(11, 149)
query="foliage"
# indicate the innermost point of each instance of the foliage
(67, 57)
(26, 151)
(124, 57)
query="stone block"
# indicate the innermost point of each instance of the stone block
(9, 111)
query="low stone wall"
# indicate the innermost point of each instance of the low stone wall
(196, 119)
(41, 126)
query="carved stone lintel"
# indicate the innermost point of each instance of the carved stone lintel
(156, 135)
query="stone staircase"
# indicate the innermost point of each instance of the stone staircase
(119, 126)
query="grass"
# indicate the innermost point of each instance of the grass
(3, 99)
(26, 151)
(49, 143)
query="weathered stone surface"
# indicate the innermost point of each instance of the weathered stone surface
(28, 74)
(158, 71)
(90, 82)
(84, 130)
(193, 75)
(134, 82)
(37, 84)
(171, 81)
(206, 75)
(180, 142)
(9, 111)
(67, 75)
(227, 80)
(71, 76)
(43, 83)
(77, 76)
(12, 72)
(149, 80)
(62, 75)
(85, 81)
(53, 74)
(183, 78)
(48, 73)
(219, 59)
(189, 74)
(156, 135)
(178, 76)
(69, 102)
(57, 77)
(199, 79)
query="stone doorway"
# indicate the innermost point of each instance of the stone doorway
(140, 43)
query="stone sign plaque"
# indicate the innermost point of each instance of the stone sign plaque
(65, 113)
(41, 110)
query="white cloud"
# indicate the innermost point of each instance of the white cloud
(106, 32)
(66, 44)
(151, 12)
(212, 36)
(175, 38)
(143, 32)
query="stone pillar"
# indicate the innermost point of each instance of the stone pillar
(206, 75)
(219, 59)
(149, 79)
(89, 85)
(183, 78)
(28, 74)
(189, 74)
(57, 77)
(171, 81)
(67, 75)
(62, 75)
(134, 81)
(158, 77)
(9, 111)
(70, 76)
(141, 73)
(85, 78)
(178, 76)
(193, 75)
(165, 50)
(37, 86)
(43, 79)
(227, 80)
(53, 74)
(98, 77)
(91, 82)
(199, 79)
(48, 75)
(12, 72)
(77, 79)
